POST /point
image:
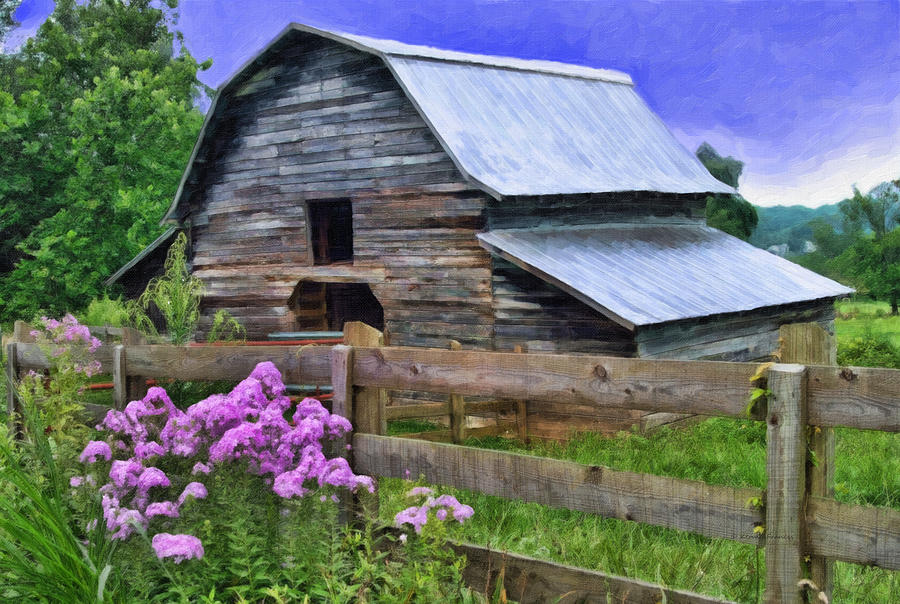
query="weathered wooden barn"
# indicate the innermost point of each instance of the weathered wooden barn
(494, 201)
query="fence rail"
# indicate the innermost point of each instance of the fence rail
(799, 521)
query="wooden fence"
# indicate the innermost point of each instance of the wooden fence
(799, 520)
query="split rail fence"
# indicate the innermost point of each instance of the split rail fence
(800, 520)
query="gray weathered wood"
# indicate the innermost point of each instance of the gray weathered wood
(809, 343)
(853, 533)
(457, 408)
(120, 377)
(604, 382)
(714, 511)
(855, 397)
(342, 404)
(12, 379)
(786, 469)
(532, 581)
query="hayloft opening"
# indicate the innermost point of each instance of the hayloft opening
(327, 306)
(330, 231)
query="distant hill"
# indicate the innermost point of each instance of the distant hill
(779, 225)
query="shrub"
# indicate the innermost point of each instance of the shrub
(871, 350)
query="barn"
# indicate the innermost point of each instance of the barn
(494, 201)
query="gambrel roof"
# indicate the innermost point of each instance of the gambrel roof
(521, 127)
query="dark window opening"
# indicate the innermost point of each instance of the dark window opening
(318, 305)
(331, 231)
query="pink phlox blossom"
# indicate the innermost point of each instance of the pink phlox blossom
(182, 436)
(124, 474)
(461, 512)
(152, 477)
(76, 481)
(148, 449)
(251, 394)
(178, 547)
(338, 425)
(50, 324)
(269, 377)
(237, 442)
(217, 414)
(161, 508)
(415, 515)
(310, 408)
(34, 333)
(197, 490)
(337, 473)
(416, 491)
(95, 449)
(290, 484)
(201, 468)
(126, 520)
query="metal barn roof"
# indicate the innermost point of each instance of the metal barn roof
(646, 274)
(523, 127)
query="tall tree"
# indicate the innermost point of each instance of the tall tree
(730, 213)
(96, 124)
(7, 18)
(873, 260)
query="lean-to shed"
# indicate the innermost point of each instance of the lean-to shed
(495, 201)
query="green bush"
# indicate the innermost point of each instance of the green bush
(871, 350)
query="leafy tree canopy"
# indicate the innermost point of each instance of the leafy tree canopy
(730, 213)
(7, 21)
(96, 124)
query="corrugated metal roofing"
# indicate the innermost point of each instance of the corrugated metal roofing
(528, 133)
(523, 127)
(645, 274)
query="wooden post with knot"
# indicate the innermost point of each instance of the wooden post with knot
(811, 344)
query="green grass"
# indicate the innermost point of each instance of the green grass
(718, 451)
(858, 317)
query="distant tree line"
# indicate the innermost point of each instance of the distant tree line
(863, 250)
(97, 120)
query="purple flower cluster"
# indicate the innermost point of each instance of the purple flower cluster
(248, 424)
(177, 547)
(69, 337)
(443, 505)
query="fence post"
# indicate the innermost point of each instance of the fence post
(457, 409)
(810, 344)
(342, 404)
(368, 403)
(135, 385)
(521, 409)
(120, 377)
(12, 376)
(786, 469)
(22, 332)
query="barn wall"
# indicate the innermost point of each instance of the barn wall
(747, 336)
(596, 208)
(322, 121)
(532, 313)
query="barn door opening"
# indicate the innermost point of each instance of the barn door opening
(327, 306)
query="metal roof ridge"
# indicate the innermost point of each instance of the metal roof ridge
(549, 228)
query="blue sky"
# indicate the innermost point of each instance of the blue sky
(807, 94)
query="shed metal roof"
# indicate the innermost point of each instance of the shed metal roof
(522, 127)
(646, 274)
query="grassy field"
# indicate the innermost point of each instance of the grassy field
(856, 318)
(718, 451)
